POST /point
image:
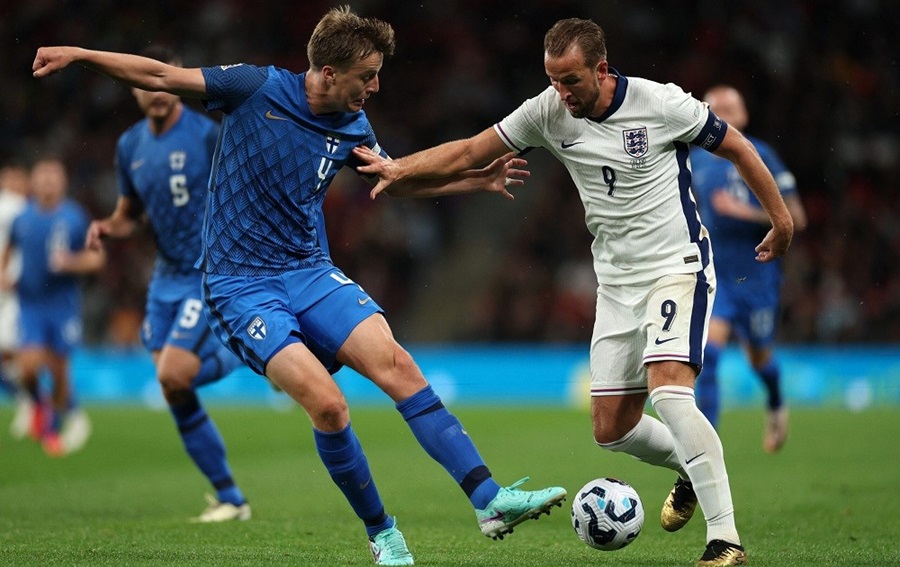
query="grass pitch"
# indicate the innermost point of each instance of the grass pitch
(832, 497)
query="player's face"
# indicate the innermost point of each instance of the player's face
(728, 104)
(354, 85)
(48, 181)
(577, 84)
(157, 106)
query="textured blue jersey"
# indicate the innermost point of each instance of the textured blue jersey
(38, 234)
(274, 162)
(168, 174)
(734, 240)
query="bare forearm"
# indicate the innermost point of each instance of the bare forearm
(763, 185)
(442, 161)
(134, 70)
(458, 184)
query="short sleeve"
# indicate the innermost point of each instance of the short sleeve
(228, 86)
(690, 120)
(123, 179)
(521, 129)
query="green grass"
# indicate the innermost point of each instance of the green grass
(832, 497)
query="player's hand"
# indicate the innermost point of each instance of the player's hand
(504, 172)
(775, 244)
(96, 232)
(51, 59)
(386, 170)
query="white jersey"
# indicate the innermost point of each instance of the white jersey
(632, 172)
(11, 205)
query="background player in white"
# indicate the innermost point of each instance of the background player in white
(625, 144)
(749, 294)
(13, 197)
(271, 290)
(162, 164)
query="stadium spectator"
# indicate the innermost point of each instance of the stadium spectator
(625, 143)
(272, 293)
(748, 295)
(49, 234)
(163, 164)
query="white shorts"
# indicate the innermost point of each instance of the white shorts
(666, 319)
(9, 321)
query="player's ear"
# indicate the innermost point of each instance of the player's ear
(329, 72)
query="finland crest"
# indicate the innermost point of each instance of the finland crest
(636, 142)
(257, 329)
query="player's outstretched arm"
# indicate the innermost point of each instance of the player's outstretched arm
(141, 72)
(502, 173)
(736, 148)
(444, 161)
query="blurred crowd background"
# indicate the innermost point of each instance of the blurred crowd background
(821, 81)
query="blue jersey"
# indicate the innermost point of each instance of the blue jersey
(734, 240)
(38, 233)
(274, 162)
(168, 174)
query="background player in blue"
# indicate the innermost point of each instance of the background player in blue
(162, 164)
(273, 294)
(50, 235)
(749, 291)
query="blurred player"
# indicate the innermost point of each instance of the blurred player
(273, 294)
(13, 197)
(162, 164)
(748, 297)
(625, 143)
(50, 234)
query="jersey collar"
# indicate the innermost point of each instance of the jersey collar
(618, 96)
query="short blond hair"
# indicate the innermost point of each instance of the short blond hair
(342, 38)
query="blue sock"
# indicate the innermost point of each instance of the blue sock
(214, 368)
(707, 387)
(206, 448)
(770, 374)
(349, 469)
(444, 439)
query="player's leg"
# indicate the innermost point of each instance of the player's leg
(32, 359)
(181, 342)
(707, 386)
(679, 308)
(299, 373)
(176, 368)
(619, 393)
(258, 319)
(371, 350)
(761, 337)
(71, 421)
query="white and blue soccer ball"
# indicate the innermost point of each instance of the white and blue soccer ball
(607, 514)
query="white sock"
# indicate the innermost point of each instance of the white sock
(651, 442)
(700, 451)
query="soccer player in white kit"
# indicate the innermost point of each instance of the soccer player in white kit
(14, 184)
(625, 143)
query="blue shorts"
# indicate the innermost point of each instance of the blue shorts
(258, 316)
(55, 326)
(178, 323)
(752, 311)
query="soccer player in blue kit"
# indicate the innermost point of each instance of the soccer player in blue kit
(749, 293)
(272, 293)
(162, 166)
(50, 234)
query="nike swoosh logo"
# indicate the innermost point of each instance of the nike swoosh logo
(362, 301)
(566, 146)
(664, 341)
(137, 164)
(363, 485)
(271, 116)
(695, 457)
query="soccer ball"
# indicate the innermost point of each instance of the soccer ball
(607, 514)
